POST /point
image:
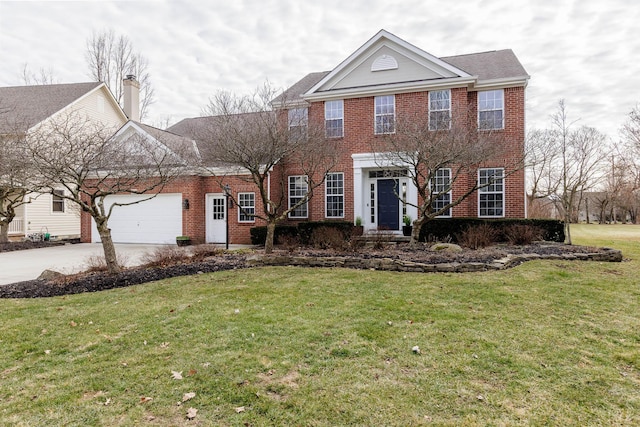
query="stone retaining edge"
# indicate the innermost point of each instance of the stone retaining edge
(390, 264)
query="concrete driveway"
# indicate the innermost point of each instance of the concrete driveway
(18, 266)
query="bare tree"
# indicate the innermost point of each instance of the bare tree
(15, 170)
(86, 160)
(574, 170)
(456, 147)
(42, 77)
(542, 153)
(111, 58)
(251, 136)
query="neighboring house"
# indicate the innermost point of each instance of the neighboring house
(359, 101)
(27, 107)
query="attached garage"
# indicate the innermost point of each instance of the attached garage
(157, 220)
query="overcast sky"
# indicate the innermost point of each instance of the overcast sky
(584, 51)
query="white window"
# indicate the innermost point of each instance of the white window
(246, 207)
(441, 191)
(57, 201)
(334, 195)
(385, 114)
(491, 195)
(298, 120)
(440, 109)
(334, 118)
(491, 109)
(298, 188)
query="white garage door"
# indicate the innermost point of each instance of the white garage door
(157, 220)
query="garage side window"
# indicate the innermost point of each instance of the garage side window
(247, 207)
(57, 201)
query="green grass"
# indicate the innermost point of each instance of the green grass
(546, 343)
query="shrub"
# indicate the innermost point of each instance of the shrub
(97, 263)
(164, 256)
(449, 228)
(522, 234)
(289, 243)
(329, 238)
(200, 252)
(306, 229)
(477, 236)
(259, 234)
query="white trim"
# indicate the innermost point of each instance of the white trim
(247, 221)
(450, 193)
(340, 118)
(383, 34)
(376, 115)
(326, 196)
(289, 204)
(503, 109)
(391, 89)
(438, 110)
(484, 190)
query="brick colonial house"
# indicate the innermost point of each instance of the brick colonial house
(359, 101)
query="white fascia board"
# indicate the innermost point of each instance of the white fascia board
(394, 88)
(501, 83)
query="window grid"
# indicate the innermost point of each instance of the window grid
(57, 201)
(442, 186)
(334, 118)
(491, 109)
(217, 209)
(298, 122)
(246, 207)
(491, 197)
(385, 114)
(334, 191)
(372, 197)
(298, 188)
(440, 109)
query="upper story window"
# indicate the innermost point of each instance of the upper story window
(491, 109)
(440, 109)
(491, 193)
(298, 120)
(57, 202)
(334, 118)
(385, 114)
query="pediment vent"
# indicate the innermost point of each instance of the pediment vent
(384, 62)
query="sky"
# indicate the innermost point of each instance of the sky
(583, 51)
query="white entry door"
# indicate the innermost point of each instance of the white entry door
(216, 222)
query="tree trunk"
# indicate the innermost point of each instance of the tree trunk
(110, 256)
(415, 231)
(567, 230)
(4, 232)
(269, 241)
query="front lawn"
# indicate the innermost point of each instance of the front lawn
(546, 343)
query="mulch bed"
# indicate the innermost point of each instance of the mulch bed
(98, 281)
(18, 246)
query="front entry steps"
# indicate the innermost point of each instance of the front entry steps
(382, 237)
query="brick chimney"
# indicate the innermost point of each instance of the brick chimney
(131, 88)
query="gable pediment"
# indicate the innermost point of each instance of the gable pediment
(386, 60)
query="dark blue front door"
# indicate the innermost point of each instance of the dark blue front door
(388, 205)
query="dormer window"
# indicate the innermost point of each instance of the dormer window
(384, 62)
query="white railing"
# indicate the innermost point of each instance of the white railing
(16, 226)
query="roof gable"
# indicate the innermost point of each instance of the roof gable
(382, 61)
(22, 107)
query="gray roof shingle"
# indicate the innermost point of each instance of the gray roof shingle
(497, 64)
(22, 107)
